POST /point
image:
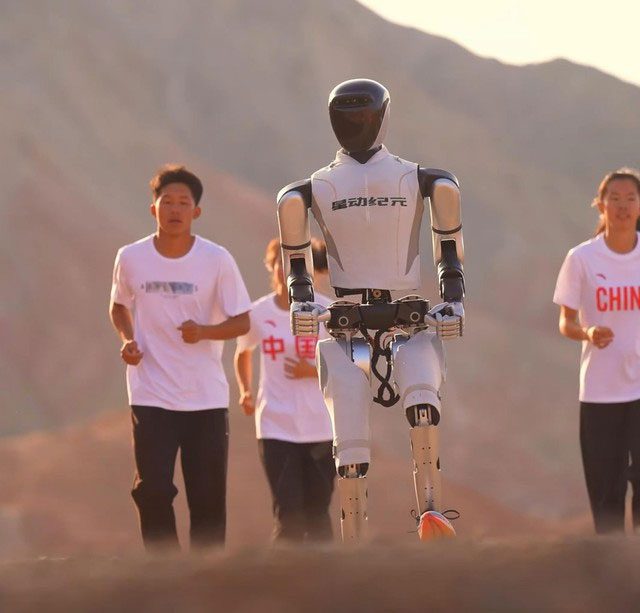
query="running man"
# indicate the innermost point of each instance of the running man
(292, 421)
(175, 298)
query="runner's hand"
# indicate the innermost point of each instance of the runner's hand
(191, 331)
(600, 336)
(130, 353)
(299, 369)
(247, 403)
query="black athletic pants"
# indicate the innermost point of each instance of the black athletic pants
(203, 440)
(301, 478)
(610, 441)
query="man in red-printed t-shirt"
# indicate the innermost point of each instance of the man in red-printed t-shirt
(292, 422)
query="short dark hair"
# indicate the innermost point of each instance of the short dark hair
(176, 173)
(318, 252)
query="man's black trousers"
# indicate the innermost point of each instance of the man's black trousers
(203, 440)
(301, 479)
(610, 442)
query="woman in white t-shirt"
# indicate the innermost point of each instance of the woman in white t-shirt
(598, 291)
(292, 422)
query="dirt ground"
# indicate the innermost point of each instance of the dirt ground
(66, 493)
(580, 575)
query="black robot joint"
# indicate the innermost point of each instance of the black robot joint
(371, 201)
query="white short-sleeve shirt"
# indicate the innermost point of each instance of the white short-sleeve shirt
(204, 285)
(286, 409)
(604, 287)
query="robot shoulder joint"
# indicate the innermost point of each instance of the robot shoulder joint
(298, 189)
(427, 178)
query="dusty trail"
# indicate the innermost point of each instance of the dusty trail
(66, 493)
(511, 575)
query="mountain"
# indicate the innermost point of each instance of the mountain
(97, 95)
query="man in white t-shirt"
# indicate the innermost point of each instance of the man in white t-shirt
(175, 298)
(293, 426)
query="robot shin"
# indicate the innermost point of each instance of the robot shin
(419, 370)
(347, 393)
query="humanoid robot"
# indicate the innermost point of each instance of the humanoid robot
(369, 205)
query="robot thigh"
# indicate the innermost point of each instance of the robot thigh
(347, 394)
(419, 369)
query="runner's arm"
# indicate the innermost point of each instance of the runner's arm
(244, 370)
(244, 377)
(570, 327)
(230, 328)
(122, 321)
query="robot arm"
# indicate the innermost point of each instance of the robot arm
(441, 187)
(293, 220)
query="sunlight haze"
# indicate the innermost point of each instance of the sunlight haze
(607, 38)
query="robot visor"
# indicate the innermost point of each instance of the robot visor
(349, 101)
(355, 124)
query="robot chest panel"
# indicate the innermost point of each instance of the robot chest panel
(369, 218)
(366, 196)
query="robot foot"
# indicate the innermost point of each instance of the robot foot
(433, 525)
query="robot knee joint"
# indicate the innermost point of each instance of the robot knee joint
(353, 471)
(423, 415)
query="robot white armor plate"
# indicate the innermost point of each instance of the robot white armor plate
(382, 200)
(369, 206)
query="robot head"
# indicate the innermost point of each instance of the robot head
(358, 110)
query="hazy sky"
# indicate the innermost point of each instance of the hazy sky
(601, 34)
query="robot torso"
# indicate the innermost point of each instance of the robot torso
(370, 215)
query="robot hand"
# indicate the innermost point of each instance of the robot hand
(449, 319)
(305, 317)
